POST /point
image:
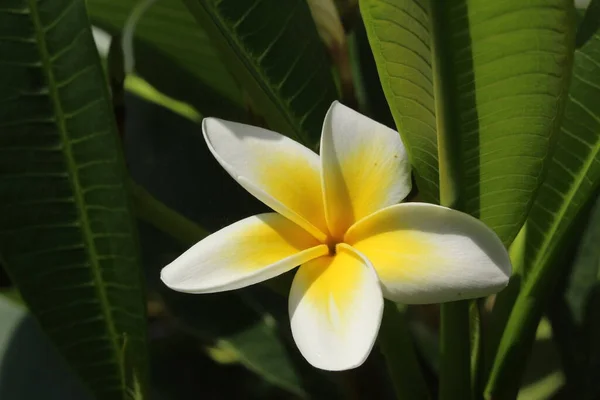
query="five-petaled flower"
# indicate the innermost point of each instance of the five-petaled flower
(338, 217)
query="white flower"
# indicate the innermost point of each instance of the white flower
(337, 217)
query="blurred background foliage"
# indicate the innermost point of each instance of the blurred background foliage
(168, 64)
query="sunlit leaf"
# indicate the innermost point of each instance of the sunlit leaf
(484, 81)
(573, 177)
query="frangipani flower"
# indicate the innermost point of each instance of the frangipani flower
(337, 216)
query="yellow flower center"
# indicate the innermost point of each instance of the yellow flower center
(331, 243)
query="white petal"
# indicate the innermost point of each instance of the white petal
(365, 167)
(335, 310)
(425, 253)
(247, 252)
(281, 173)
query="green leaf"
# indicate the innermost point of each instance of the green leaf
(505, 68)
(573, 177)
(252, 337)
(582, 302)
(169, 29)
(368, 87)
(399, 351)
(544, 378)
(567, 338)
(25, 352)
(586, 267)
(152, 211)
(66, 232)
(589, 24)
(174, 54)
(273, 49)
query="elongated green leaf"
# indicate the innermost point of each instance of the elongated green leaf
(586, 267)
(173, 53)
(579, 325)
(401, 359)
(573, 176)
(589, 23)
(368, 87)
(505, 69)
(168, 27)
(400, 34)
(66, 232)
(252, 337)
(590, 260)
(25, 352)
(544, 378)
(273, 48)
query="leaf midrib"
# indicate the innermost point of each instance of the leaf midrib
(73, 176)
(230, 37)
(543, 251)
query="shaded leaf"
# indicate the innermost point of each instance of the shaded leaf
(583, 298)
(25, 352)
(236, 323)
(273, 49)
(66, 232)
(586, 267)
(398, 350)
(174, 54)
(543, 378)
(251, 336)
(589, 24)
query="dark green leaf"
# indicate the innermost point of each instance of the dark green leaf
(572, 180)
(66, 231)
(544, 378)
(583, 300)
(173, 53)
(586, 267)
(237, 324)
(273, 49)
(398, 350)
(589, 24)
(25, 352)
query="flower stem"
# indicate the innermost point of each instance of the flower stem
(397, 347)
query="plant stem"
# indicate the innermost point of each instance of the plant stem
(455, 349)
(152, 211)
(397, 347)
(455, 362)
